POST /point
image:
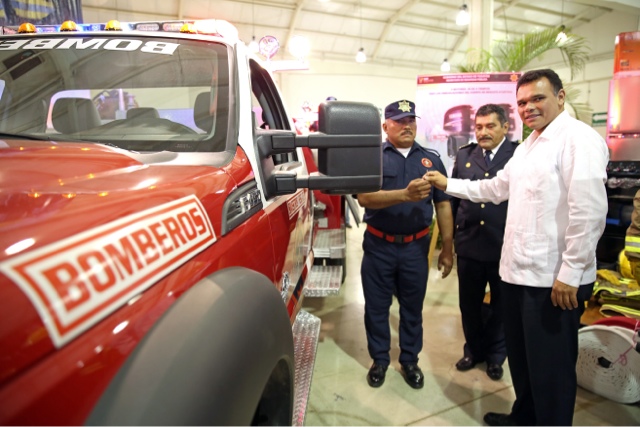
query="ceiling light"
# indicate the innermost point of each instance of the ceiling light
(561, 38)
(463, 17)
(445, 66)
(299, 47)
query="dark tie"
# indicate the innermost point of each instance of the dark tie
(487, 157)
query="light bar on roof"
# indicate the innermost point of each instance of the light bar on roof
(215, 27)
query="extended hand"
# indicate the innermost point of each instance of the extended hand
(437, 179)
(564, 295)
(418, 189)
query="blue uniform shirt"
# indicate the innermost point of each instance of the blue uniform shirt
(398, 171)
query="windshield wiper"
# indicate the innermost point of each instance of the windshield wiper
(22, 136)
(60, 138)
(63, 138)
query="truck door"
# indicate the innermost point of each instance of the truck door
(290, 216)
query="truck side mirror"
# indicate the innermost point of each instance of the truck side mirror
(349, 148)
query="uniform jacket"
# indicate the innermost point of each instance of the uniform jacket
(479, 227)
(398, 171)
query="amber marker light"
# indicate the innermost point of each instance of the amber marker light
(188, 29)
(69, 26)
(113, 25)
(26, 28)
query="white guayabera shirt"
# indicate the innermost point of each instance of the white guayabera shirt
(557, 204)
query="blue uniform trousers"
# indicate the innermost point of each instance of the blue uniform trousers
(542, 346)
(387, 266)
(482, 325)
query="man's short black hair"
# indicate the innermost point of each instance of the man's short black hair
(534, 75)
(488, 109)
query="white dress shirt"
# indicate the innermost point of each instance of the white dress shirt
(557, 204)
(494, 150)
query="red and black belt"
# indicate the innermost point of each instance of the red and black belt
(398, 238)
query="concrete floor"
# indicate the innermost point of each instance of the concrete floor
(340, 394)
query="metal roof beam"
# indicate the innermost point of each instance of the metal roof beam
(613, 5)
(528, 6)
(390, 23)
(295, 19)
(389, 62)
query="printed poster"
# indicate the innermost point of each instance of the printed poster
(446, 105)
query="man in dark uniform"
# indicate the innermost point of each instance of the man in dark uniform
(479, 231)
(396, 244)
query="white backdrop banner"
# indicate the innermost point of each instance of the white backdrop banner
(446, 105)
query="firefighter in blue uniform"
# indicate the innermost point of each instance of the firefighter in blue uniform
(478, 235)
(396, 244)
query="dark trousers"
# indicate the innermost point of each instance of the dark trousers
(482, 324)
(542, 346)
(387, 267)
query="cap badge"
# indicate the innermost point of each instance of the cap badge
(426, 163)
(404, 106)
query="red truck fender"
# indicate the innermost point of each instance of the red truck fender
(194, 369)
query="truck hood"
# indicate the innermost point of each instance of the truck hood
(52, 192)
(42, 181)
(41, 178)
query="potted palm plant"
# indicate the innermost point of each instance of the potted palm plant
(516, 55)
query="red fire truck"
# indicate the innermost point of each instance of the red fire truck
(157, 228)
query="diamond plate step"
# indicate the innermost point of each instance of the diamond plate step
(324, 280)
(306, 330)
(330, 243)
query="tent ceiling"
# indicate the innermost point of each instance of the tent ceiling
(403, 33)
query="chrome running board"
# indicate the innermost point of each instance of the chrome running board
(306, 331)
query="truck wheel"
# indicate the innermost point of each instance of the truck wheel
(221, 355)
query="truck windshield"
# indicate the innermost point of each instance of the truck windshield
(138, 93)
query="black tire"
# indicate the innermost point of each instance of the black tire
(221, 355)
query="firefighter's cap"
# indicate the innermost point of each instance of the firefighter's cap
(400, 109)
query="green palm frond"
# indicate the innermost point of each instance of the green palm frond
(514, 56)
(582, 110)
(481, 62)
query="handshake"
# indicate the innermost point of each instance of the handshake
(420, 188)
(436, 179)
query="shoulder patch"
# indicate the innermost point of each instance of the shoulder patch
(431, 150)
(471, 144)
